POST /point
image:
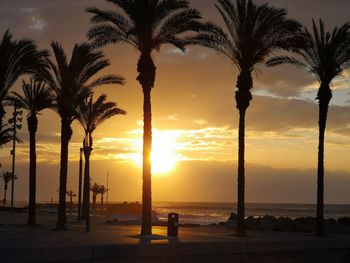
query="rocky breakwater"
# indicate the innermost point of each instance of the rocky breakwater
(285, 224)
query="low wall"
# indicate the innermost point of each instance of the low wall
(322, 251)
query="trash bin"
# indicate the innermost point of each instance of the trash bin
(173, 224)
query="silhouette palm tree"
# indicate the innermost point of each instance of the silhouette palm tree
(146, 25)
(253, 31)
(18, 57)
(5, 135)
(95, 189)
(326, 55)
(71, 194)
(102, 191)
(6, 177)
(71, 83)
(92, 114)
(36, 97)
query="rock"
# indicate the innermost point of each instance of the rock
(252, 223)
(268, 223)
(304, 224)
(331, 222)
(233, 217)
(344, 221)
(284, 224)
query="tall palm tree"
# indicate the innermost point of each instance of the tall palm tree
(71, 83)
(146, 25)
(326, 55)
(18, 57)
(95, 189)
(92, 114)
(36, 97)
(6, 177)
(252, 32)
(102, 191)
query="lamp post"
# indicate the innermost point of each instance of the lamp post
(107, 188)
(16, 118)
(87, 151)
(80, 182)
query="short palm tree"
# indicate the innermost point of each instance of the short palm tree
(6, 177)
(103, 190)
(92, 114)
(71, 194)
(36, 97)
(146, 25)
(18, 57)
(71, 83)
(252, 32)
(95, 189)
(326, 55)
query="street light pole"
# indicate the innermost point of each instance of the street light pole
(80, 182)
(13, 121)
(107, 188)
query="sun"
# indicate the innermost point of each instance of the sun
(163, 156)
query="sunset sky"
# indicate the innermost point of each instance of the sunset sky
(194, 118)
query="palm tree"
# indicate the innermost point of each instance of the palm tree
(102, 191)
(253, 31)
(36, 97)
(91, 115)
(18, 57)
(95, 189)
(71, 83)
(71, 194)
(146, 25)
(326, 55)
(6, 177)
(5, 135)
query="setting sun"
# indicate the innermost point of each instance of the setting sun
(163, 157)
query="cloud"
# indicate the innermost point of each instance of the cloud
(37, 24)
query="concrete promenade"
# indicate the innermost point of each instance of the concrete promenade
(107, 243)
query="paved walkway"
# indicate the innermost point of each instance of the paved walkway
(20, 243)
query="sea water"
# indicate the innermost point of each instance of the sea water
(207, 213)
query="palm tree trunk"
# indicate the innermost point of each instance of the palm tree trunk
(241, 230)
(146, 176)
(66, 133)
(324, 96)
(2, 115)
(5, 190)
(86, 189)
(243, 98)
(32, 127)
(101, 201)
(94, 196)
(86, 193)
(146, 77)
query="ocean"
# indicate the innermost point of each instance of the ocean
(207, 213)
